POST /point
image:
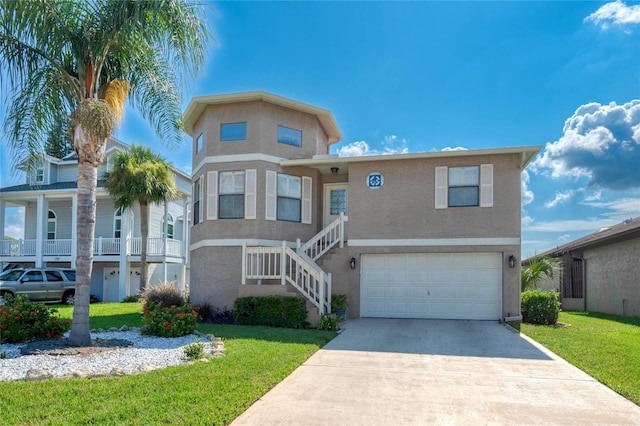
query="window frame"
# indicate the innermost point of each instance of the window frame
(54, 221)
(463, 185)
(199, 144)
(39, 175)
(117, 218)
(233, 139)
(287, 197)
(170, 222)
(234, 173)
(284, 141)
(197, 201)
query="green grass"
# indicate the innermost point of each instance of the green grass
(216, 392)
(107, 315)
(607, 347)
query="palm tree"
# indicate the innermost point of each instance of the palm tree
(79, 60)
(144, 177)
(538, 269)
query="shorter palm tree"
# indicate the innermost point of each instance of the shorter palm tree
(539, 268)
(141, 176)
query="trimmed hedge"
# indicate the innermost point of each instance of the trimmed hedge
(540, 307)
(272, 311)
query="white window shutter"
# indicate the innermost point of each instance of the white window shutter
(486, 185)
(271, 201)
(250, 194)
(212, 195)
(441, 188)
(306, 199)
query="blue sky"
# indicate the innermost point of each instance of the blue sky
(424, 76)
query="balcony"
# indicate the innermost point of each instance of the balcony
(101, 247)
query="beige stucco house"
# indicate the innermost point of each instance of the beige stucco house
(600, 272)
(425, 235)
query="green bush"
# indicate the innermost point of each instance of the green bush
(21, 320)
(131, 299)
(272, 311)
(328, 322)
(172, 321)
(165, 294)
(194, 351)
(540, 307)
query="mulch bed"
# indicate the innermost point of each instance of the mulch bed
(62, 347)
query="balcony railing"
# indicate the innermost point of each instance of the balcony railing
(101, 247)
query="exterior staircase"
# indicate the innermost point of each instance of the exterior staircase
(296, 268)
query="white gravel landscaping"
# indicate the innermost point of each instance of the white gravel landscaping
(147, 353)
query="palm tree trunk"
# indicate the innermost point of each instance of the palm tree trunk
(144, 236)
(87, 182)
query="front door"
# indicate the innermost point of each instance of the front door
(335, 201)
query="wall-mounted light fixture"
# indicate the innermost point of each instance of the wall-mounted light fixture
(334, 170)
(512, 261)
(352, 263)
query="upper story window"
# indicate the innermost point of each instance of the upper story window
(233, 132)
(464, 186)
(39, 175)
(197, 205)
(52, 224)
(117, 224)
(289, 136)
(289, 198)
(199, 143)
(231, 195)
(170, 226)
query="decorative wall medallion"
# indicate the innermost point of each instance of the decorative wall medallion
(375, 180)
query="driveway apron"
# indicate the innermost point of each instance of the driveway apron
(418, 372)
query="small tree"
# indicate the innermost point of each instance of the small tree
(143, 177)
(539, 268)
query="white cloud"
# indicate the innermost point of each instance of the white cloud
(561, 197)
(525, 193)
(457, 148)
(527, 220)
(391, 144)
(564, 238)
(583, 225)
(616, 13)
(14, 222)
(597, 196)
(600, 142)
(622, 207)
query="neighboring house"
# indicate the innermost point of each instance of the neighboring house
(601, 271)
(49, 198)
(425, 235)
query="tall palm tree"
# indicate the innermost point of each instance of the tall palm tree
(144, 177)
(80, 60)
(538, 268)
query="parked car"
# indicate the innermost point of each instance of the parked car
(40, 284)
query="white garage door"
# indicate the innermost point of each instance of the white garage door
(432, 285)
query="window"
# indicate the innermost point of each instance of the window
(464, 186)
(71, 275)
(233, 132)
(33, 276)
(52, 222)
(338, 201)
(117, 224)
(39, 175)
(197, 207)
(289, 198)
(170, 223)
(199, 143)
(289, 136)
(53, 276)
(231, 192)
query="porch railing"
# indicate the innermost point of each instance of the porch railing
(326, 239)
(289, 267)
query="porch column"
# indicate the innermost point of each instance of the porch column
(185, 240)
(41, 227)
(123, 278)
(165, 241)
(74, 227)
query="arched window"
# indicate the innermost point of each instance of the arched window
(117, 223)
(170, 223)
(52, 224)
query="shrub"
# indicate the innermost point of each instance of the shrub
(166, 294)
(338, 302)
(273, 311)
(172, 321)
(540, 307)
(328, 322)
(131, 299)
(21, 320)
(208, 313)
(194, 351)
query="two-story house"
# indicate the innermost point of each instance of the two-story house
(49, 199)
(421, 235)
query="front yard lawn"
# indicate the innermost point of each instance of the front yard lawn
(107, 315)
(214, 392)
(607, 347)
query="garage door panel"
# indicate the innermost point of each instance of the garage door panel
(432, 285)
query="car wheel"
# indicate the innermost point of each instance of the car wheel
(68, 298)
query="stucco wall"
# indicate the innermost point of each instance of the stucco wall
(216, 275)
(613, 278)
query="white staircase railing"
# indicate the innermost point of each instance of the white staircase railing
(326, 239)
(290, 267)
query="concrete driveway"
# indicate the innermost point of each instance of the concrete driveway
(391, 372)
